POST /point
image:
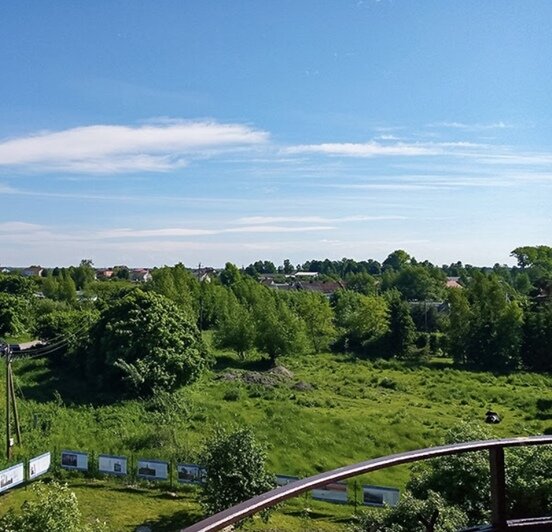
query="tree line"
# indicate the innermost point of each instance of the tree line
(148, 334)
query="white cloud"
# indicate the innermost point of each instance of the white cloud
(313, 219)
(190, 232)
(366, 149)
(116, 148)
(472, 127)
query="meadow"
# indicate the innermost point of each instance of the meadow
(314, 413)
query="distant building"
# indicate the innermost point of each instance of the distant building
(453, 282)
(140, 275)
(104, 273)
(32, 271)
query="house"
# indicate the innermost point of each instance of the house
(140, 275)
(32, 271)
(453, 282)
(104, 273)
(304, 275)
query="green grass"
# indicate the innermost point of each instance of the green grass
(352, 411)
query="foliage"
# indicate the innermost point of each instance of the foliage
(15, 314)
(536, 351)
(235, 327)
(70, 326)
(148, 341)
(363, 321)
(53, 507)
(316, 312)
(485, 325)
(17, 285)
(402, 332)
(236, 469)
(431, 514)
(177, 284)
(462, 479)
(279, 331)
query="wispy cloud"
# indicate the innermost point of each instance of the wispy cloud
(366, 149)
(190, 232)
(119, 148)
(313, 219)
(471, 127)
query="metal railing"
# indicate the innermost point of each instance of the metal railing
(499, 522)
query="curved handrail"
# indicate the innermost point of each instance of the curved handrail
(271, 498)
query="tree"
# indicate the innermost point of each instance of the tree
(230, 275)
(15, 314)
(70, 326)
(236, 469)
(536, 349)
(461, 479)
(431, 514)
(316, 312)
(420, 283)
(396, 260)
(235, 327)
(148, 342)
(53, 507)
(402, 332)
(83, 274)
(486, 326)
(363, 321)
(179, 285)
(279, 331)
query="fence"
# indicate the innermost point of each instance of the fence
(495, 449)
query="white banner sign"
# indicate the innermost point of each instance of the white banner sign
(191, 473)
(112, 465)
(39, 465)
(153, 469)
(12, 477)
(380, 496)
(74, 460)
(334, 492)
(284, 480)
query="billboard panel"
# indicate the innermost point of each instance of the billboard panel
(335, 492)
(153, 469)
(39, 465)
(284, 480)
(112, 465)
(74, 460)
(12, 476)
(380, 496)
(191, 473)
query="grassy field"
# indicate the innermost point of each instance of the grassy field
(325, 411)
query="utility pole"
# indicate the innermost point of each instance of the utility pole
(14, 406)
(6, 351)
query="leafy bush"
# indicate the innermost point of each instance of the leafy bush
(236, 469)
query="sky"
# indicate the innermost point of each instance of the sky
(151, 132)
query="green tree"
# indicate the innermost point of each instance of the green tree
(536, 350)
(236, 469)
(53, 507)
(396, 260)
(461, 479)
(363, 321)
(179, 285)
(318, 316)
(279, 331)
(148, 342)
(402, 332)
(15, 315)
(486, 325)
(230, 275)
(432, 514)
(68, 328)
(235, 327)
(83, 274)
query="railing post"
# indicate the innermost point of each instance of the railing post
(498, 489)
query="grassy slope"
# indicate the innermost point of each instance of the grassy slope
(355, 411)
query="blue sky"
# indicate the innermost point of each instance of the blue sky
(152, 132)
